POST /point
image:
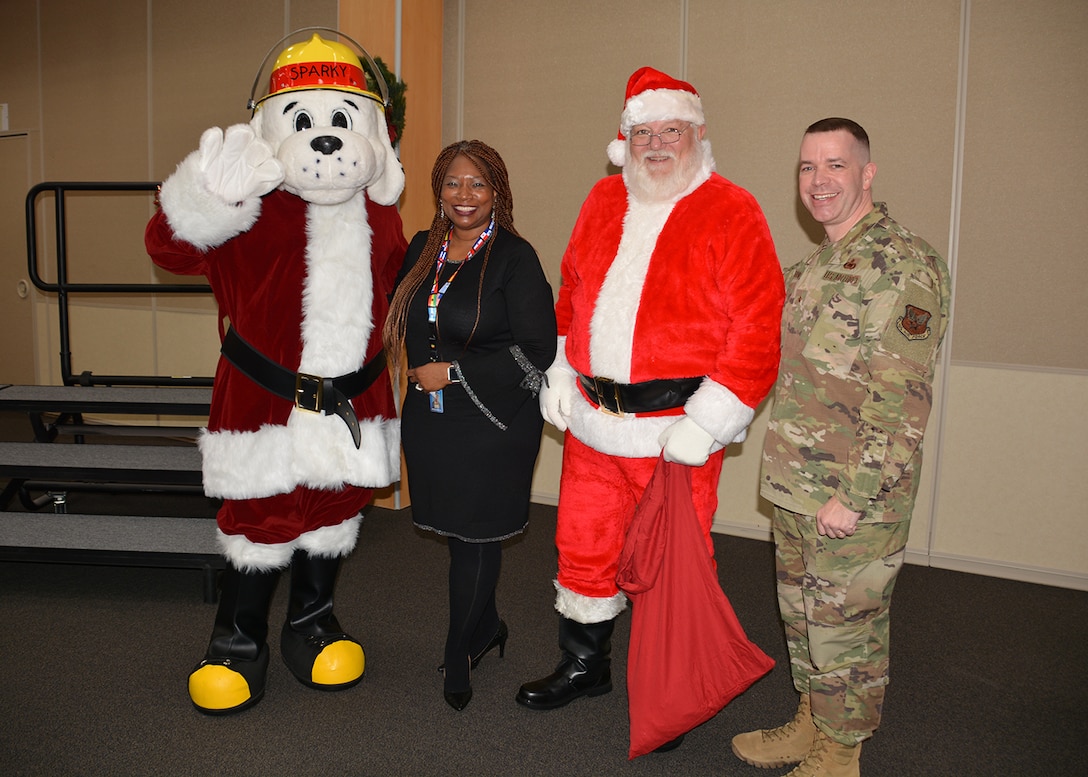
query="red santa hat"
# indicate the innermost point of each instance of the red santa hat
(654, 96)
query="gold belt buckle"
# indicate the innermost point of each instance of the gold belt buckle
(309, 392)
(606, 387)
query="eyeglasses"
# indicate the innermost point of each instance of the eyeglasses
(644, 137)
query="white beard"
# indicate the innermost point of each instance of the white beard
(648, 186)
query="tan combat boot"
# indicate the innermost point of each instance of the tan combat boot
(829, 758)
(787, 744)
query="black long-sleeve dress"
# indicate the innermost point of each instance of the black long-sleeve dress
(470, 467)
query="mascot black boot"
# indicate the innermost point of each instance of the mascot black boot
(314, 647)
(585, 669)
(232, 675)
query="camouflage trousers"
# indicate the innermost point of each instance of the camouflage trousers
(834, 597)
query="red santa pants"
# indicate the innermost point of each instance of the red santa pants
(283, 518)
(598, 494)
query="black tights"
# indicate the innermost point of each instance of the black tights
(474, 619)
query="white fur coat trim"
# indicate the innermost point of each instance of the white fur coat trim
(312, 450)
(612, 327)
(326, 542)
(587, 609)
(720, 413)
(336, 303)
(199, 217)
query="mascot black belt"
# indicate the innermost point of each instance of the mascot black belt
(313, 393)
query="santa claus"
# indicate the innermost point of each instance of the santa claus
(291, 219)
(668, 320)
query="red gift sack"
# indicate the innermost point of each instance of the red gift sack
(688, 655)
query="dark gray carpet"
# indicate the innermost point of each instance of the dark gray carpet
(989, 676)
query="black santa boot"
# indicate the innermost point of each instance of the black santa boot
(231, 677)
(314, 647)
(584, 670)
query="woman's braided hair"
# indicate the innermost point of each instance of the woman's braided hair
(490, 165)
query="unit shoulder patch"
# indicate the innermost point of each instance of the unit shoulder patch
(914, 323)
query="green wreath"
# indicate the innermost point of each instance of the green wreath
(394, 115)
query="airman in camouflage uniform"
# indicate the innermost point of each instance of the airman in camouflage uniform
(863, 318)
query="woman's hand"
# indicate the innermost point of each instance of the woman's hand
(431, 376)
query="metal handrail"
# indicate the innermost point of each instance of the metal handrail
(63, 287)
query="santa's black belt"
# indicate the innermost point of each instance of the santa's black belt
(313, 393)
(645, 397)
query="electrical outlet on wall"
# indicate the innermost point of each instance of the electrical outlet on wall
(4, 117)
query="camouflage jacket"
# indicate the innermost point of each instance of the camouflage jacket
(860, 330)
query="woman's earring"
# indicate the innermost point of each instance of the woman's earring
(441, 212)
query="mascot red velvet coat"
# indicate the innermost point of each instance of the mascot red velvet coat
(291, 219)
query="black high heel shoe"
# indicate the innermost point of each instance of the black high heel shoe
(459, 699)
(499, 640)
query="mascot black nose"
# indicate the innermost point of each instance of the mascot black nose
(326, 144)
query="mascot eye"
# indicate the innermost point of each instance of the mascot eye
(303, 121)
(341, 119)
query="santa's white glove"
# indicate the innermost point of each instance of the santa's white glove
(685, 442)
(557, 395)
(236, 165)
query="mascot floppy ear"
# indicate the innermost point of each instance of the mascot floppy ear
(386, 189)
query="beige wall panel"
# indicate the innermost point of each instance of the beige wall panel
(94, 90)
(205, 55)
(311, 13)
(1012, 467)
(105, 242)
(111, 340)
(186, 343)
(19, 83)
(1021, 276)
(16, 298)
(767, 70)
(741, 511)
(46, 341)
(753, 64)
(545, 488)
(547, 93)
(924, 518)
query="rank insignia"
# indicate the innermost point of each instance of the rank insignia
(914, 323)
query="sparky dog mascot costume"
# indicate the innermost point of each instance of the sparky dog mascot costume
(291, 217)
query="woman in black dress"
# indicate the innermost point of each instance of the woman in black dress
(475, 314)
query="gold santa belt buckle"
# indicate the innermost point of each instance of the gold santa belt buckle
(616, 399)
(605, 392)
(309, 392)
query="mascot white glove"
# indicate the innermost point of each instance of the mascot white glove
(557, 394)
(236, 165)
(685, 442)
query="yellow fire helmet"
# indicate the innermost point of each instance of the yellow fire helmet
(318, 64)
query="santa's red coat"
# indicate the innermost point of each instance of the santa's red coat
(651, 291)
(702, 291)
